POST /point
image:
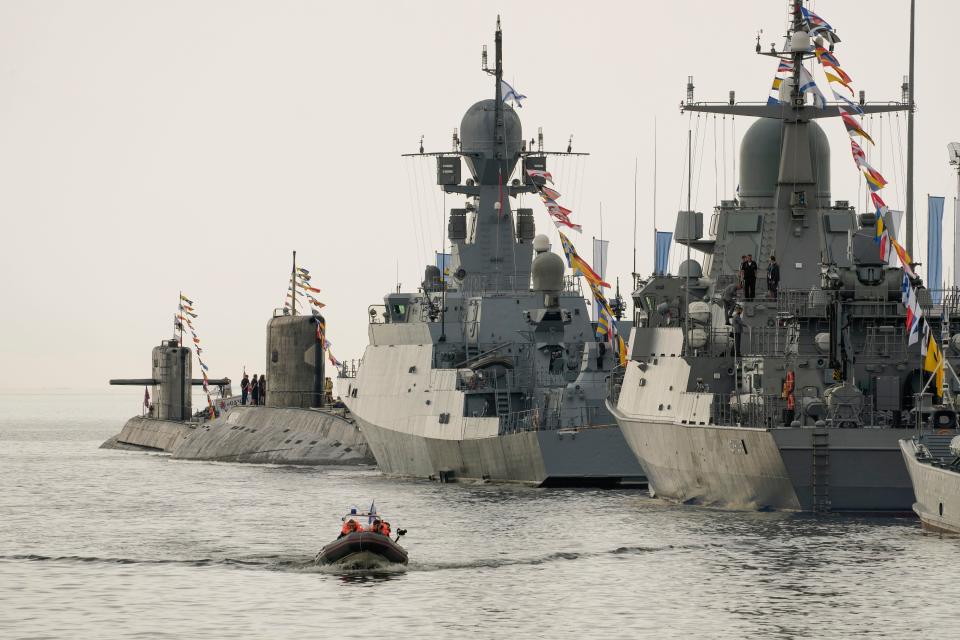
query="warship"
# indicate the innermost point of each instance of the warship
(493, 372)
(808, 415)
(299, 422)
(933, 462)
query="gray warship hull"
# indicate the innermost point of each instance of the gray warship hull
(595, 456)
(937, 491)
(859, 470)
(259, 435)
(794, 396)
(493, 371)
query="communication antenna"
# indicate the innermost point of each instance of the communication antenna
(953, 151)
(421, 143)
(293, 284)
(570, 144)
(483, 57)
(636, 164)
(539, 138)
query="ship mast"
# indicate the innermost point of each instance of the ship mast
(293, 285)
(797, 99)
(501, 133)
(910, 103)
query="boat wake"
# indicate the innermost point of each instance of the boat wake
(306, 564)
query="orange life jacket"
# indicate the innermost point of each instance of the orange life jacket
(789, 383)
(385, 528)
(350, 526)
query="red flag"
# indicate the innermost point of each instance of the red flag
(146, 397)
(547, 192)
(853, 127)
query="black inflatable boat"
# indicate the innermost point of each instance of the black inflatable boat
(362, 550)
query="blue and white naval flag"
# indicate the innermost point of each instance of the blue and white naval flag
(807, 84)
(511, 94)
(372, 512)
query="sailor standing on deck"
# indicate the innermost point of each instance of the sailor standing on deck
(749, 269)
(244, 388)
(737, 330)
(254, 390)
(773, 277)
(729, 298)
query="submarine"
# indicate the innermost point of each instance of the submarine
(299, 423)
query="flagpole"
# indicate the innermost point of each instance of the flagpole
(686, 310)
(655, 195)
(180, 322)
(443, 276)
(293, 283)
(636, 162)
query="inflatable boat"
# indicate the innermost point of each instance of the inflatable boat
(362, 550)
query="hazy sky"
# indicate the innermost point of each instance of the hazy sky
(148, 147)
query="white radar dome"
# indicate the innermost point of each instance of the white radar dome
(541, 243)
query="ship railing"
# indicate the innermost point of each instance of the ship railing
(550, 379)
(803, 302)
(936, 301)
(748, 410)
(567, 418)
(878, 340)
(348, 369)
(509, 284)
(615, 384)
(771, 341)
(884, 340)
(769, 411)
(296, 399)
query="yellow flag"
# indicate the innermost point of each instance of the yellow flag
(932, 363)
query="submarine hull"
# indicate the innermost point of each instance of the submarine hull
(253, 434)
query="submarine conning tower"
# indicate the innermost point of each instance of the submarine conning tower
(172, 381)
(295, 367)
(173, 371)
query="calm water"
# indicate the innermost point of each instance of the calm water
(99, 544)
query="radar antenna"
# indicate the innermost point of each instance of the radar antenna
(497, 73)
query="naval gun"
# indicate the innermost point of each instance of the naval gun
(171, 381)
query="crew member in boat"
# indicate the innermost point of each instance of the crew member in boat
(351, 525)
(380, 526)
